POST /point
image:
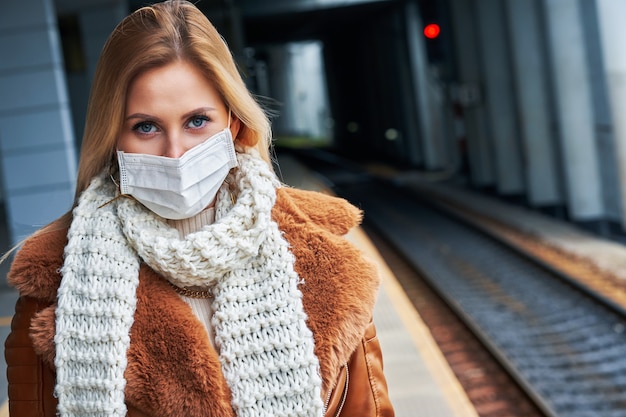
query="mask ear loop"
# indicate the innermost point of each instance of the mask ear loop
(233, 200)
(117, 185)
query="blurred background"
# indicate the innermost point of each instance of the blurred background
(522, 100)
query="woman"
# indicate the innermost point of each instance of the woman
(186, 281)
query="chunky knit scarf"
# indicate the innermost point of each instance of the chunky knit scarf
(265, 347)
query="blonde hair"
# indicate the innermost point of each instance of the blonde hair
(151, 37)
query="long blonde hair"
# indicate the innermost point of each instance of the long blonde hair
(151, 37)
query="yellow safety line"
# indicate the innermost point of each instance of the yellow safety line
(5, 321)
(418, 331)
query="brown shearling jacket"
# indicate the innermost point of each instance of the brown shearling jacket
(339, 290)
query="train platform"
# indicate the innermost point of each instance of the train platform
(580, 247)
(607, 255)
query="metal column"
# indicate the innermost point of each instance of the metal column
(533, 104)
(471, 78)
(498, 91)
(612, 34)
(574, 110)
(429, 112)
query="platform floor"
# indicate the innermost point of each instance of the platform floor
(419, 379)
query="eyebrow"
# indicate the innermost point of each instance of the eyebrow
(197, 111)
(184, 116)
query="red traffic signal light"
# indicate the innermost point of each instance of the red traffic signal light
(432, 30)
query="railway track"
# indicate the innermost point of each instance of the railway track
(487, 384)
(562, 345)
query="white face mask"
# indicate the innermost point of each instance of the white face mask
(178, 188)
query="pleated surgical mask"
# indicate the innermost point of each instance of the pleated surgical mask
(178, 188)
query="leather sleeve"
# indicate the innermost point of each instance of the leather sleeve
(31, 382)
(361, 387)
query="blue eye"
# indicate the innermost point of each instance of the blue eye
(197, 122)
(145, 127)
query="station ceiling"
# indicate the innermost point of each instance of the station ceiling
(265, 21)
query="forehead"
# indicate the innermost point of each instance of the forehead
(176, 84)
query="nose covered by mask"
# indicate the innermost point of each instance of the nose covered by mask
(178, 188)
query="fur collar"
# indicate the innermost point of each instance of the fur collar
(171, 363)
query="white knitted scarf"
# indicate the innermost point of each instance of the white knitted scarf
(265, 347)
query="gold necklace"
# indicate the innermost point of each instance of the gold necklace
(186, 292)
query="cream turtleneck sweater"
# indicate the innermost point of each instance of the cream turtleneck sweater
(201, 307)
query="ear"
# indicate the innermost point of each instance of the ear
(235, 126)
